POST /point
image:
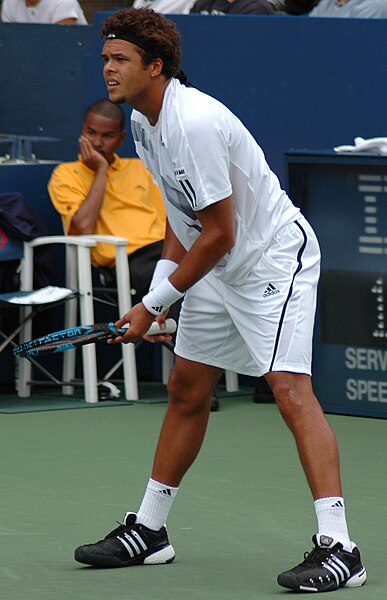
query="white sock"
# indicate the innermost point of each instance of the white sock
(330, 513)
(156, 504)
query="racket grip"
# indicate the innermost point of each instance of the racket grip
(155, 329)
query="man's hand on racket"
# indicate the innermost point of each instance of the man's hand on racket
(139, 320)
(165, 337)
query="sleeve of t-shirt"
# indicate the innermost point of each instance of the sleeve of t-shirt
(65, 9)
(66, 192)
(6, 13)
(320, 10)
(202, 161)
(372, 10)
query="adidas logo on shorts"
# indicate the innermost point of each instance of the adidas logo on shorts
(270, 291)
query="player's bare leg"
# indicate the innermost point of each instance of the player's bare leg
(142, 538)
(319, 456)
(315, 440)
(190, 388)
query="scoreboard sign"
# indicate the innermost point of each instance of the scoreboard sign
(345, 199)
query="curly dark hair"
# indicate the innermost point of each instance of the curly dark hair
(157, 36)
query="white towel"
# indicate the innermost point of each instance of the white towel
(45, 295)
(376, 145)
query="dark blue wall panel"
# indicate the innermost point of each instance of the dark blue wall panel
(296, 82)
(43, 82)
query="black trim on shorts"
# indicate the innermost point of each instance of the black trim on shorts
(299, 267)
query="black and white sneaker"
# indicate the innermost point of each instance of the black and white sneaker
(129, 544)
(326, 568)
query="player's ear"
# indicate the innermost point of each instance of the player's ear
(156, 67)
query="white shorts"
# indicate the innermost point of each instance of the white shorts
(265, 324)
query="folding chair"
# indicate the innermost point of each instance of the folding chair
(31, 302)
(21, 222)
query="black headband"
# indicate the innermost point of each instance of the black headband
(133, 39)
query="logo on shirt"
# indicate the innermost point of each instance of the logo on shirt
(180, 173)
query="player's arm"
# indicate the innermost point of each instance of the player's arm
(172, 255)
(85, 218)
(216, 239)
(173, 249)
(69, 21)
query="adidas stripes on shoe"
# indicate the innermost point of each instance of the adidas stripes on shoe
(326, 568)
(129, 544)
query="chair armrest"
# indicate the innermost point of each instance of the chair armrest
(76, 240)
(107, 239)
(78, 252)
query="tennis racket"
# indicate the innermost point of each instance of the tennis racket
(58, 341)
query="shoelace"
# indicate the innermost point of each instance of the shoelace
(120, 529)
(316, 556)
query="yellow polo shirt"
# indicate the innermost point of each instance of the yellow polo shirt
(132, 207)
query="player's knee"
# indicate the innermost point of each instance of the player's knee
(185, 395)
(295, 399)
(289, 400)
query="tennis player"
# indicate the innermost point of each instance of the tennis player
(247, 262)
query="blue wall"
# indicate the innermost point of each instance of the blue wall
(43, 83)
(296, 82)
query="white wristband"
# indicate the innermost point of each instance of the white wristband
(161, 297)
(164, 268)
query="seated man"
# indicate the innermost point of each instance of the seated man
(56, 12)
(101, 193)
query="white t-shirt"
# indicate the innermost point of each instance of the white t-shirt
(171, 7)
(361, 9)
(200, 153)
(46, 11)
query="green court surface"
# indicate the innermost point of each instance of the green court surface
(242, 515)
